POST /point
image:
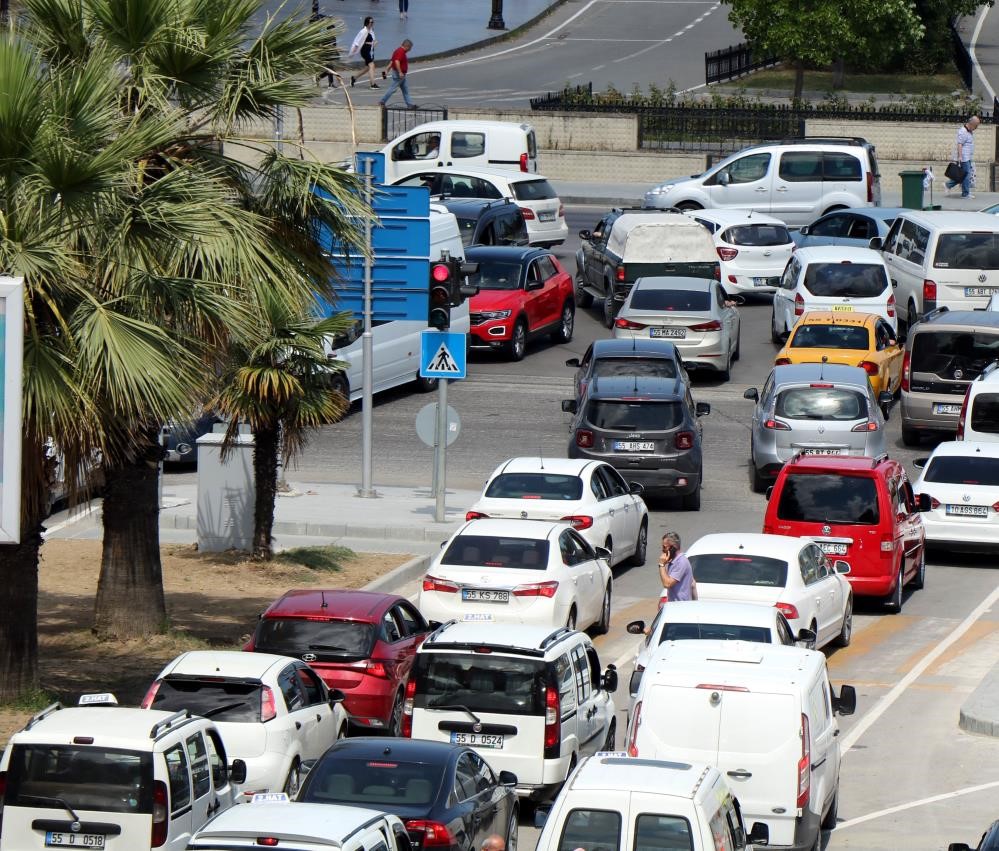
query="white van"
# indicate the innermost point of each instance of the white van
(438, 144)
(614, 801)
(941, 258)
(396, 344)
(762, 713)
(979, 418)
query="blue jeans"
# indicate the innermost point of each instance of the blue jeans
(398, 82)
(966, 183)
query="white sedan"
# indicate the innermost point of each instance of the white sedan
(590, 495)
(519, 571)
(791, 574)
(961, 481)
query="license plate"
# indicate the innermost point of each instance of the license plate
(477, 740)
(764, 282)
(833, 549)
(74, 840)
(546, 217)
(946, 409)
(634, 446)
(821, 451)
(969, 510)
(842, 307)
(484, 595)
(679, 333)
(980, 291)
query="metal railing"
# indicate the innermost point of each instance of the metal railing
(399, 119)
(734, 61)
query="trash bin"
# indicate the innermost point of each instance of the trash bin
(912, 189)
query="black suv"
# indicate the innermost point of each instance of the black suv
(645, 427)
(485, 222)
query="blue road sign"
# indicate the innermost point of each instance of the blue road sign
(377, 164)
(442, 355)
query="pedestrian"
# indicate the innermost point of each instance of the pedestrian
(965, 156)
(494, 842)
(404, 9)
(675, 571)
(332, 54)
(364, 44)
(399, 66)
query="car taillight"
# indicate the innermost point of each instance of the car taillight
(869, 367)
(375, 668)
(147, 701)
(935, 503)
(268, 841)
(636, 722)
(870, 425)
(684, 440)
(536, 589)
(553, 722)
(161, 813)
(870, 187)
(432, 583)
(434, 834)
(619, 273)
(891, 305)
(995, 507)
(929, 296)
(578, 521)
(788, 610)
(475, 515)
(268, 709)
(733, 279)
(887, 545)
(584, 438)
(961, 416)
(776, 425)
(906, 366)
(713, 325)
(799, 304)
(663, 599)
(627, 324)
(409, 696)
(804, 765)
(781, 361)
(727, 253)
(524, 163)
(528, 213)
(561, 211)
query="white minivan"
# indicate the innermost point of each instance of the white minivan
(764, 714)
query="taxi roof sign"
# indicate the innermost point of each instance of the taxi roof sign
(104, 698)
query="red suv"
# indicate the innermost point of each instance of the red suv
(859, 510)
(360, 642)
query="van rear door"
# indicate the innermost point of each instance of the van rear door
(679, 723)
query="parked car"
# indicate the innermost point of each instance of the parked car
(273, 712)
(180, 440)
(446, 794)
(979, 417)
(850, 228)
(589, 495)
(693, 313)
(989, 840)
(517, 572)
(360, 642)
(656, 358)
(485, 222)
(859, 510)
(523, 292)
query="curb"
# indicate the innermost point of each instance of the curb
(400, 575)
(979, 713)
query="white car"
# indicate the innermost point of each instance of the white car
(961, 479)
(789, 573)
(273, 712)
(590, 495)
(993, 302)
(832, 278)
(517, 571)
(753, 248)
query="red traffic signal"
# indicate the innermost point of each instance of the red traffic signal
(439, 315)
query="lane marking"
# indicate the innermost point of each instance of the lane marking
(974, 57)
(922, 802)
(885, 702)
(869, 638)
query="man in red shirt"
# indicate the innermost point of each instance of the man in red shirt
(399, 66)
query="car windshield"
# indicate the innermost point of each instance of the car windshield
(295, 636)
(829, 498)
(967, 251)
(757, 235)
(846, 280)
(496, 551)
(496, 275)
(467, 229)
(963, 470)
(831, 337)
(656, 299)
(381, 783)
(723, 569)
(535, 486)
(220, 700)
(480, 682)
(985, 413)
(84, 778)
(820, 403)
(945, 353)
(634, 416)
(641, 367)
(709, 631)
(533, 190)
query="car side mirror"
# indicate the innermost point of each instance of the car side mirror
(507, 778)
(846, 703)
(806, 637)
(752, 393)
(609, 680)
(573, 362)
(841, 566)
(769, 493)
(919, 463)
(433, 626)
(602, 552)
(959, 846)
(237, 772)
(760, 834)
(636, 488)
(585, 235)
(569, 406)
(534, 284)
(635, 628)
(877, 243)
(305, 766)
(803, 230)
(723, 178)
(336, 696)
(702, 409)
(923, 502)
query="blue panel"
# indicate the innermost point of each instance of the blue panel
(399, 288)
(404, 201)
(402, 238)
(386, 305)
(442, 355)
(377, 164)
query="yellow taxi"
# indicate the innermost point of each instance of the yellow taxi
(848, 337)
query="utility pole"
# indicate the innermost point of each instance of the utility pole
(496, 21)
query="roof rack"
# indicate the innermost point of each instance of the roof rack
(440, 630)
(831, 140)
(487, 646)
(877, 459)
(989, 369)
(45, 713)
(555, 636)
(161, 727)
(939, 311)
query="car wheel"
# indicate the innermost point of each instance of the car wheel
(726, 374)
(912, 317)
(610, 311)
(602, 626)
(738, 346)
(919, 580)
(611, 739)
(893, 603)
(641, 546)
(759, 483)
(517, 346)
(692, 501)
(512, 830)
(774, 336)
(571, 620)
(567, 323)
(684, 206)
(426, 385)
(395, 719)
(846, 630)
(338, 384)
(584, 298)
(829, 819)
(293, 781)
(910, 436)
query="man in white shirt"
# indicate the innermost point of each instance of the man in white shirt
(965, 155)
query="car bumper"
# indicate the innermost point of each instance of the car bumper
(677, 477)
(492, 333)
(265, 773)
(368, 703)
(710, 351)
(655, 201)
(534, 611)
(918, 412)
(942, 529)
(746, 283)
(547, 233)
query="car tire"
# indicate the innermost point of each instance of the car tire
(293, 781)
(602, 626)
(910, 437)
(846, 630)
(516, 348)
(685, 206)
(512, 831)
(567, 323)
(692, 501)
(394, 728)
(829, 819)
(610, 312)
(918, 582)
(570, 621)
(584, 298)
(774, 336)
(893, 602)
(641, 546)
(738, 346)
(611, 740)
(338, 384)
(726, 374)
(426, 385)
(759, 483)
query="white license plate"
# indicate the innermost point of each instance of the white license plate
(946, 409)
(477, 740)
(74, 840)
(821, 451)
(485, 595)
(678, 333)
(546, 217)
(764, 282)
(833, 549)
(980, 291)
(634, 445)
(969, 510)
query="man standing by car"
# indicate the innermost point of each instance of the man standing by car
(965, 155)
(675, 571)
(399, 66)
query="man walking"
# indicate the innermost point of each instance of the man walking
(399, 66)
(965, 149)
(675, 571)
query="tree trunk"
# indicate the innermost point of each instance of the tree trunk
(130, 601)
(799, 81)
(838, 73)
(265, 467)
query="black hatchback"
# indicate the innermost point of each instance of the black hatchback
(447, 796)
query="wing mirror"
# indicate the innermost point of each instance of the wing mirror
(723, 178)
(534, 284)
(507, 778)
(702, 409)
(846, 703)
(636, 488)
(919, 463)
(760, 834)
(959, 846)
(876, 243)
(569, 406)
(924, 502)
(237, 772)
(884, 402)
(636, 628)
(609, 680)
(585, 235)
(573, 362)
(807, 638)
(603, 552)
(752, 393)
(803, 230)
(841, 566)
(336, 696)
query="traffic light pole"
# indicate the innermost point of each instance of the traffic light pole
(367, 356)
(440, 456)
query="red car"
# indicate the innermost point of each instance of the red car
(523, 292)
(859, 510)
(360, 642)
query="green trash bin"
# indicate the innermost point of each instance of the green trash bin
(912, 189)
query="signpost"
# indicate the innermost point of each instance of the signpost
(11, 361)
(442, 356)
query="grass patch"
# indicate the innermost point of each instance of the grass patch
(32, 700)
(821, 81)
(329, 558)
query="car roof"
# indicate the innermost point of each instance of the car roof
(630, 774)
(874, 212)
(507, 174)
(666, 282)
(540, 464)
(620, 347)
(292, 819)
(837, 254)
(836, 373)
(336, 603)
(751, 543)
(469, 124)
(721, 611)
(501, 636)
(509, 253)
(109, 726)
(723, 662)
(837, 317)
(960, 318)
(473, 206)
(636, 388)
(627, 220)
(225, 663)
(734, 217)
(966, 447)
(950, 220)
(536, 530)
(408, 750)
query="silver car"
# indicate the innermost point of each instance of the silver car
(692, 313)
(814, 409)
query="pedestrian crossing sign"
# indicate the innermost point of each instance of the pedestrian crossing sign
(442, 355)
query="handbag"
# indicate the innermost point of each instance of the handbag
(954, 172)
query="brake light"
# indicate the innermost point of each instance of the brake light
(663, 599)
(578, 521)
(929, 296)
(561, 211)
(524, 164)
(870, 187)
(935, 503)
(553, 722)
(684, 440)
(891, 305)
(268, 841)
(434, 833)
(870, 425)
(776, 425)
(3, 780)
(789, 611)
(536, 589)
(716, 687)
(584, 438)
(528, 213)
(906, 366)
(869, 367)
(268, 710)
(961, 416)
(619, 274)
(161, 824)
(375, 668)
(432, 583)
(782, 361)
(713, 325)
(799, 304)
(409, 697)
(475, 515)
(636, 722)
(887, 545)
(147, 701)
(804, 765)
(727, 253)
(621, 322)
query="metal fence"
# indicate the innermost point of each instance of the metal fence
(734, 61)
(399, 119)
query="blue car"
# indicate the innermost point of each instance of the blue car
(853, 227)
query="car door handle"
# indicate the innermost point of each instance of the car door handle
(298, 725)
(319, 717)
(781, 189)
(611, 512)
(761, 189)
(740, 773)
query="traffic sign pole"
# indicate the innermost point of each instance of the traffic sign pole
(367, 354)
(440, 457)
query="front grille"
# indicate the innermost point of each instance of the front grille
(475, 318)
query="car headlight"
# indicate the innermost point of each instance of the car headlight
(661, 190)
(490, 315)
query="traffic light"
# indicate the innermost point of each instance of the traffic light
(439, 315)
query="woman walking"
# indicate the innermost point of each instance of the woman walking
(364, 43)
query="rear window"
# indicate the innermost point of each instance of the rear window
(634, 416)
(963, 470)
(85, 778)
(654, 832)
(967, 251)
(945, 353)
(757, 235)
(842, 167)
(829, 498)
(831, 337)
(591, 830)
(533, 190)
(220, 700)
(712, 631)
(656, 299)
(466, 227)
(494, 275)
(381, 784)
(480, 682)
(642, 367)
(294, 636)
(820, 403)
(490, 551)
(719, 569)
(845, 280)
(535, 486)
(985, 413)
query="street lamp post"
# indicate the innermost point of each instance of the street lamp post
(496, 21)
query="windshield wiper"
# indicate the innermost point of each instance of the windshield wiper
(458, 706)
(326, 647)
(225, 707)
(46, 800)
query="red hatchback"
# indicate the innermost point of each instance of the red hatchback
(859, 510)
(360, 642)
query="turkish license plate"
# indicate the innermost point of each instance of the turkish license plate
(74, 840)
(821, 451)
(833, 549)
(980, 291)
(842, 307)
(484, 595)
(477, 740)
(968, 510)
(764, 282)
(546, 217)
(678, 333)
(941, 408)
(634, 445)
